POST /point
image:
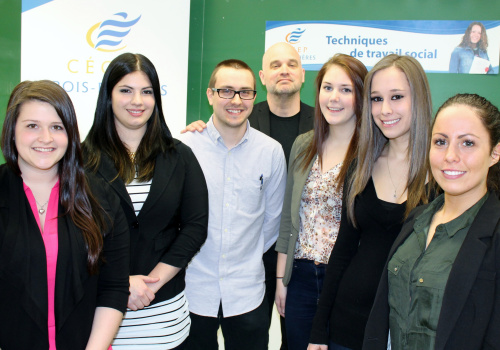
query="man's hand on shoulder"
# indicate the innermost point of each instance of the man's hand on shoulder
(198, 125)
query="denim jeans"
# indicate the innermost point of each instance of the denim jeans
(301, 301)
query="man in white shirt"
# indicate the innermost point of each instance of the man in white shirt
(245, 173)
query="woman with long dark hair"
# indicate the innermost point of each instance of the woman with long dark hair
(163, 195)
(64, 241)
(441, 288)
(388, 182)
(319, 163)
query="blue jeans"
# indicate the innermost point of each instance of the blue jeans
(302, 298)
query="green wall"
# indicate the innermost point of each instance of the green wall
(10, 52)
(222, 29)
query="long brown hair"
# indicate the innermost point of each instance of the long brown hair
(372, 141)
(75, 195)
(483, 42)
(356, 72)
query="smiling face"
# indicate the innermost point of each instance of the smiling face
(282, 71)
(460, 154)
(391, 103)
(336, 98)
(231, 113)
(40, 137)
(133, 102)
(475, 34)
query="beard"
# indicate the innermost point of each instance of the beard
(285, 91)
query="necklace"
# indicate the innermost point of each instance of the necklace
(41, 210)
(390, 177)
(132, 156)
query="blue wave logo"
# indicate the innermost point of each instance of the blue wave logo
(294, 36)
(107, 36)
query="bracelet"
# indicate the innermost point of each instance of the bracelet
(279, 278)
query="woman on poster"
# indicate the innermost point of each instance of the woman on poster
(474, 46)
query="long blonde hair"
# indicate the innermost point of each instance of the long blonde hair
(372, 141)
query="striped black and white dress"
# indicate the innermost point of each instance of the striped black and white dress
(164, 325)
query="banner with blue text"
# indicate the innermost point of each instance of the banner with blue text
(469, 47)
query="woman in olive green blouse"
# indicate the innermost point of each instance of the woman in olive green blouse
(441, 288)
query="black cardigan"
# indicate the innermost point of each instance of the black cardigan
(172, 224)
(23, 271)
(470, 313)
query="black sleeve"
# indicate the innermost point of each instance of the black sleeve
(342, 253)
(193, 211)
(113, 285)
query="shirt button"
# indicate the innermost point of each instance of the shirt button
(290, 235)
(227, 204)
(395, 269)
(224, 256)
(421, 280)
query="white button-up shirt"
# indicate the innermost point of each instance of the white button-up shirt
(246, 185)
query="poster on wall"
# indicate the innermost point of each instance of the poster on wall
(467, 47)
(72, 42)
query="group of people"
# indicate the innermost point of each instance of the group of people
(383, 232)
(95, 237)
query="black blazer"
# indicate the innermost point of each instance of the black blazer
(259, 118)
(23, 271)
(470, 313)
(172, 224)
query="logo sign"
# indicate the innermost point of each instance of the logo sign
(72, 44)
(108, 36)
(294, 36)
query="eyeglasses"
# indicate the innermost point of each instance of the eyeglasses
(229, 94)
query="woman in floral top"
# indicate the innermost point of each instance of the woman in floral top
(319, 163)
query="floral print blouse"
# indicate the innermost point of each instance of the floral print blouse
(320, 212)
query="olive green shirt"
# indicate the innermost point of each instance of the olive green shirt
(418, 276)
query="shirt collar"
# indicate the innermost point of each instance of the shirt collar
(215, 136)
(453, 226)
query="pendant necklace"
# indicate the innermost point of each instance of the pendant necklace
(390, 177)
(132, 156)
(41, 210)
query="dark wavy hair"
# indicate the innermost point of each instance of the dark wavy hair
(75, 195)
(490, 117)
(483, 42)
(356, 72)
(103, 137)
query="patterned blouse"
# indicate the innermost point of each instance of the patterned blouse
(320, 211)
